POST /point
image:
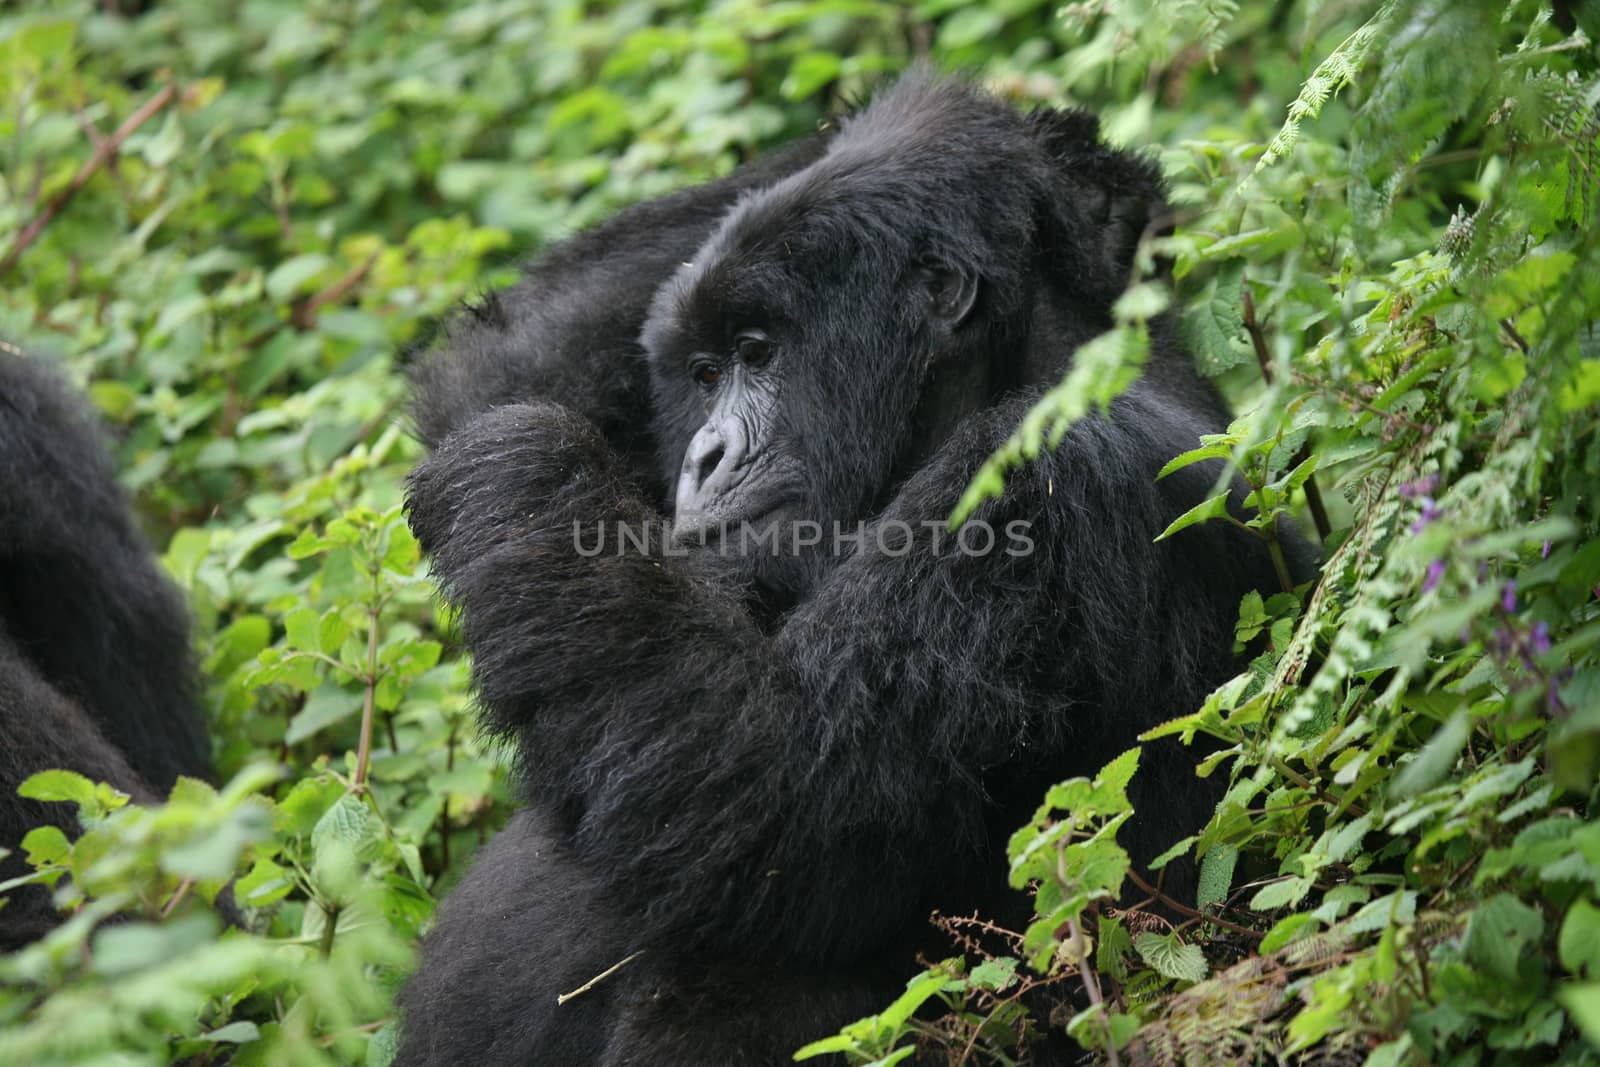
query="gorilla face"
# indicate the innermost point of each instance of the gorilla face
(790, 362)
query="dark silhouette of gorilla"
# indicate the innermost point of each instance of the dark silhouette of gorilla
(751, 775)
(96, 673)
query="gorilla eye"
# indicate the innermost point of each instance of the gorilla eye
(753, 348)
(706, 373)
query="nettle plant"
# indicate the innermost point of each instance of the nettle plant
(1402, 286)
(325, 880)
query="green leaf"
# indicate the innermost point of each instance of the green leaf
(1579, 943)
(1172, 958)
(293, 274)
(301, 628)
(266, 883)
(1181, 848)
(348, 822)
(1288, 929)
(214, 856)
(238, 1033)
(1500, 934)
(1283, 893)
(969, 26)
(919, 991)
(46, 846)
(126, 947)
(809, 72)
(58, 786)
(1582, 1002)
(1215, 322)
(1193, 456)
(1213, 508)
(994, 974)
(1216, 875)
(1142, 301)
(1434, 760)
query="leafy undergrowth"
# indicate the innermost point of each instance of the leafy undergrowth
(1386, 252)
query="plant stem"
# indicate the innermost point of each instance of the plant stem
(1280, 564)
(364, 748)
(1091, 985)
(330, 924)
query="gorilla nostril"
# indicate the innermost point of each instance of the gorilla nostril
(709, 463)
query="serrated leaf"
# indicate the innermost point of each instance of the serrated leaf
(58, 786)
(1171, 958)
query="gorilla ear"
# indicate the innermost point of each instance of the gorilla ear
(1105, 200)
(952, 291)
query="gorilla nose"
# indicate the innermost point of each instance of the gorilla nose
(707, 460)
(711, 466)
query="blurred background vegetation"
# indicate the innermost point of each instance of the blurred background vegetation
(231, 220)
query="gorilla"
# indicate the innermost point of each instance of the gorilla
(96, 673)
(755, 756)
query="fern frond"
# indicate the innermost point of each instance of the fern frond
(1332, 74)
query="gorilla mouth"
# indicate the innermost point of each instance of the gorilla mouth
(714, 529)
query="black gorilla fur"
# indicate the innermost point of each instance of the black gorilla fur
(762, 776)
(96, 673)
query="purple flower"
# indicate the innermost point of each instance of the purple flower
(1508, 598)
(1430, 511)
(1539, 638)
(1435, 576)
(1422, 487)
(1544, 553)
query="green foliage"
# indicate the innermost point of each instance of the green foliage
(230, 219)
(1407, 845)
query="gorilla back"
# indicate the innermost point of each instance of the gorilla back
(95, 669)
(751, 775)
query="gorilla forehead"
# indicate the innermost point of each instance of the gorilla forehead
(930, 167)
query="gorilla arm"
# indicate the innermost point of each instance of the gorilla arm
(792, 793)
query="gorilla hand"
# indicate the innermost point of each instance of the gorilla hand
(516, 475)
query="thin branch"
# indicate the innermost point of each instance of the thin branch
(1516, 338)
(1184, 909)
(177, 897)
(1327, 798)
(103, 153)
(304, 313)
(597, 979)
